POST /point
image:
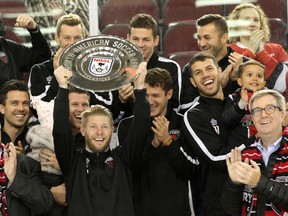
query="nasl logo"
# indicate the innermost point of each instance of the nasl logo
(100, 66)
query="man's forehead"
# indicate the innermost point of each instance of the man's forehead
(141, 32)
(78, 97)
(17, 95)
(198, 65)
(207, 28)
(153, 88)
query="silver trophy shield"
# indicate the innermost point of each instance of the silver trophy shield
(101, 63)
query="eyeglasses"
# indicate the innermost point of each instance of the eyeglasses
(268, 109)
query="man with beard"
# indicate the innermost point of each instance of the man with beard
(206, 135)
(212, 37)
(97, 179)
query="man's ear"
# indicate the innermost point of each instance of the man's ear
(2, 109)
(169, 94)
(225, 38)
(57, 39)
(82, 130)
(156, 41)
(193, 82)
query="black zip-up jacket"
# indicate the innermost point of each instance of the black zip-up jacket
(238, 120)
(96, 184)
(15, 58)
(207, 137)
(159, 186)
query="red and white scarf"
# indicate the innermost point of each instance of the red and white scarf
(3, 182)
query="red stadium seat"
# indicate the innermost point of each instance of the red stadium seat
(278, 30)
(182, 58)
(180, 37)
(121, 11)
(178, 10)
(9, 10)
(275, 9)
(120, 30)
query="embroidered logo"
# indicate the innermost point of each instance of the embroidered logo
(215, 126)
(100, 66)
(4, 57)
(174, 133)
(246, 121)
(48, 79)
(110, 162)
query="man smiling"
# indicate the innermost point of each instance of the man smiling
(97, 179)
(212, 37)
(258, 183)
(15, 107)
(206, 135)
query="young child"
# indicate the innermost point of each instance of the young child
(41, 141)
(236, 115)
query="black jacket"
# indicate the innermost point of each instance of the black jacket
(26, 196)
(21, 137)
(159, 188)
(15, 58)
(207, 136)
(94, 186)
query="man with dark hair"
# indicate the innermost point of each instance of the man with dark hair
(206, 135)
(15, 108)
(15, 58)
(212, 37)
(143, 32)
(158, 187)
(20, 184)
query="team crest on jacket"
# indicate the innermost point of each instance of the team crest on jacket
(100, 66)
(4, 57)
(215, 126)
(174, 133)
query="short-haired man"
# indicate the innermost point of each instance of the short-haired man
(206, 134)
(158, 187)
(15, 108)
(143, 32)
(20, 184)
(97, 178)
(212, 37)
(257, 182)
(42, 82)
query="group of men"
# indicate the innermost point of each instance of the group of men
(161, 153)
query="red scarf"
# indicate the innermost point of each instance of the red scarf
(3, 203)
(252, 128)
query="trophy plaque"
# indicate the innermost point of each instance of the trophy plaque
(101, 63)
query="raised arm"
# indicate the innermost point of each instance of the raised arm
(62, 132)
